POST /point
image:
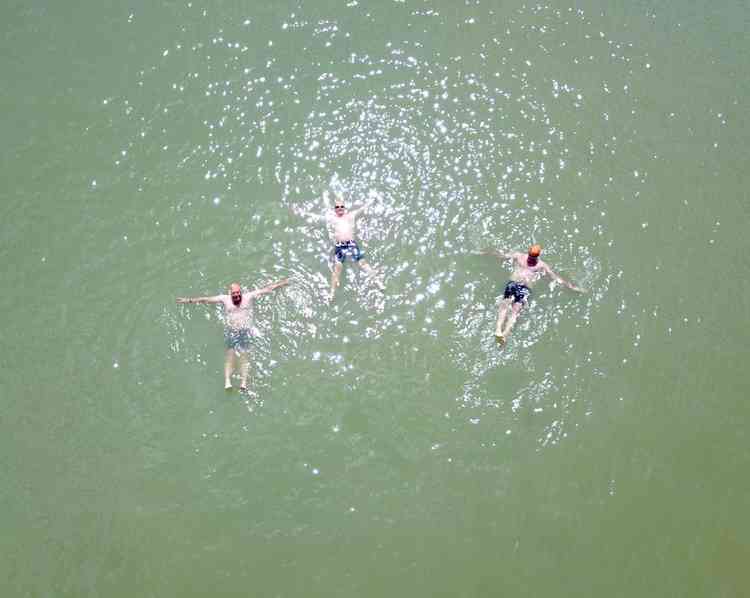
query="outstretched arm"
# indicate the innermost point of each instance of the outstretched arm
(214, 299)
(502, 254)
(325, 201)
(366, 206)
(269, 288)
(359, 210)
(557, 278)
(306, 215)
(354, 211)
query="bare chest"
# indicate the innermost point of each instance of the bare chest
(238, 315)
(343, 226)
(525, 273)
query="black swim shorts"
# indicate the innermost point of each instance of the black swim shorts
(519, 292)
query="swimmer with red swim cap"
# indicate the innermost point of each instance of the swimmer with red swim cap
(527, 269)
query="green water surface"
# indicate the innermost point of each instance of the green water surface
(389, 448)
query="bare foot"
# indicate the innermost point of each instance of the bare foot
(227, 385)
(500, 340)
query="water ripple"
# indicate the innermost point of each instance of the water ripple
(454, 151)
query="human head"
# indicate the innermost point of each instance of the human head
(338, 205)
(235, 292)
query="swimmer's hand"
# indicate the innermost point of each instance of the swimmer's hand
(183, 300)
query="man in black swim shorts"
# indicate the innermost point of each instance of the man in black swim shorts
(517, 291)
(527, 269)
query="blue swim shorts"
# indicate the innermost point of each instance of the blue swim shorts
(348, 249)
(237, 339)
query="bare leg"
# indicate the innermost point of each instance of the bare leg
(228, 368)
(335, 277)
(244, 369)
(515, 310)
(502, 312)
(370, 271)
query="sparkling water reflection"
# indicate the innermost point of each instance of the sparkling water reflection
(455, 149)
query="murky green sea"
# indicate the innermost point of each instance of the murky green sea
(389, 448)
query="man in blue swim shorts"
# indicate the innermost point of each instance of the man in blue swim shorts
(238, 326)
(342, 222)
(527, 269)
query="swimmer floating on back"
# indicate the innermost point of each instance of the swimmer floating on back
(527, 269)
(239, 329)
(342, 222)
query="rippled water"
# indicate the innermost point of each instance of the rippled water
(389, 445)
(495, 139)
